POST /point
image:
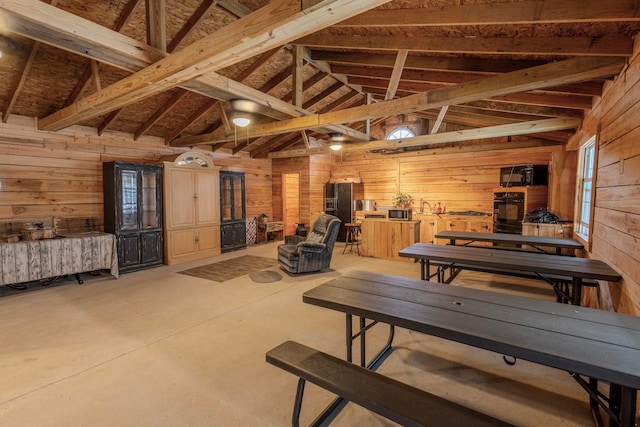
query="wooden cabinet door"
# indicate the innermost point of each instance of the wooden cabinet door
(456, 224)
(180, 192)
(208, 238)
(207, 198)
(480, 226)
(428, 230)
(183, 243)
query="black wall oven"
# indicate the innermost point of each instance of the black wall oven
(508, 212)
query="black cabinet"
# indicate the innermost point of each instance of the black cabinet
(133, 212)
(233, 226)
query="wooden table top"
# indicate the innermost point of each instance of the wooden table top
(585, 268)
(556, 242)
(595, 343)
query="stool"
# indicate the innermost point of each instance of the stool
(352, 237)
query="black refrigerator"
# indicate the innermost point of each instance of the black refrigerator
(338, 201)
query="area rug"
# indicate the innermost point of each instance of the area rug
(231, 268)
(266, 276)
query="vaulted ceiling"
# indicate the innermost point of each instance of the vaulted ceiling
(168, 68)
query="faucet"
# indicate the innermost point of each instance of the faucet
(422, 202)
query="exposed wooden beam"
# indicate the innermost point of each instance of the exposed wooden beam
(219, 50)
(38, 21)
(474, 118)
(537, 126)
(160, 113)
(463, 147)
(396, 73)
(550, 99)
(592, 88)
(23, 78)
(610, 45)
(191, 23)
(562, 72)
(439, 120)
(528, 12)
(480, 65)
(108, 120)
(297, 76)
(156, 24)
(95, 76)
(305, 139)
(121, 22)
(199, 113)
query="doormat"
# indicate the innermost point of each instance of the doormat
(265, 276)
(222, 271)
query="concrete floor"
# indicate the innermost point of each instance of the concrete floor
(156, 348)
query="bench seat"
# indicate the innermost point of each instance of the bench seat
(525, 274)
(386, 396)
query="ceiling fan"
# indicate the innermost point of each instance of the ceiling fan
(336, 140)
(243, 111)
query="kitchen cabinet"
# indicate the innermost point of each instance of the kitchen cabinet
(192, 208)
(561, 230)
(133, 212)
(233, 225)
(430, 225)
(383, 238)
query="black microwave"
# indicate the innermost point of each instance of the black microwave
(515, 176)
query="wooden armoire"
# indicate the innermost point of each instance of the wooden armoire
(192, 208)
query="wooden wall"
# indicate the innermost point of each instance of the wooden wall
(46, 174)
(615, 120)
(460, 181)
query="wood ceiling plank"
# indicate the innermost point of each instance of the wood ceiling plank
(525, 128)
(198, 114)
(527, 12)
(609, 45)
(160, 113)
(191, 23)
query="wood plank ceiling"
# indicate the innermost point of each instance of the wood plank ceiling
(169, 68)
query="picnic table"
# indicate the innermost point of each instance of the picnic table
(591, 345)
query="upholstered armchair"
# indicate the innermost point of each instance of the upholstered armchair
(301, 254)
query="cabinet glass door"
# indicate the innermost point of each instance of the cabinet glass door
(238, 200)
(129, 200)
(225, 192)
(149, 198)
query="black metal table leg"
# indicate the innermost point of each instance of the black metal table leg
(577, 291)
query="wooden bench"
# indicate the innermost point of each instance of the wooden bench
(390, 398)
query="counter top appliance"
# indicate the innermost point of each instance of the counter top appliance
(514, 176)
(400, 214)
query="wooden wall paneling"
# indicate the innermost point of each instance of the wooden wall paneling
(562, 185)
(617, 189)
(623, 149)
(46, 174)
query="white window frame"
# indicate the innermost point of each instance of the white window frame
(397, 133)
(585, 196)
